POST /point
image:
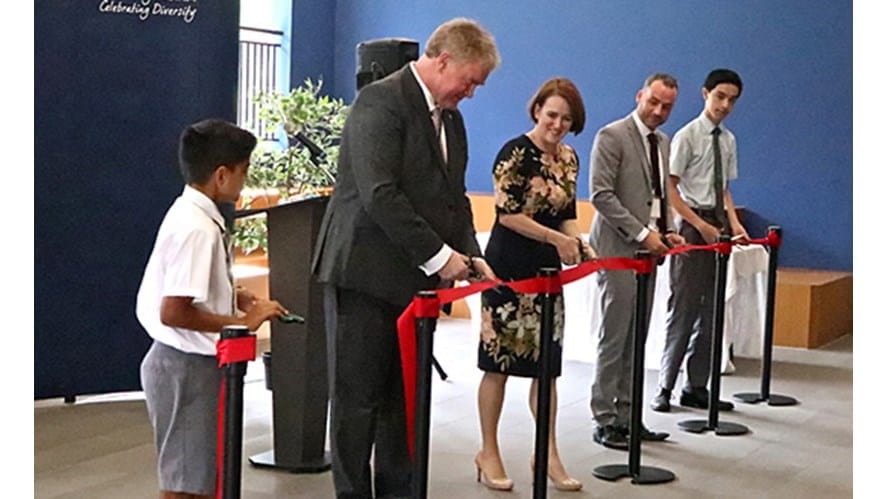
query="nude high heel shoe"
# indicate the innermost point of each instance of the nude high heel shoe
(568, 484)
(492, 483)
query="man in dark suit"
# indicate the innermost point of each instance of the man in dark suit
(629, 166)
(398, 222)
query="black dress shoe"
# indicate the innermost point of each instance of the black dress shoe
(610, 436)
(661, 402)
(698, 398)
(652, 436)
(646, 434)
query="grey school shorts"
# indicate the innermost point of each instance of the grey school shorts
(182, 393)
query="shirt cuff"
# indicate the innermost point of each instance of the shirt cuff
(642, 235)
(435, 263)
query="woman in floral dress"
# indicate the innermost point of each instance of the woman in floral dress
(534, 180)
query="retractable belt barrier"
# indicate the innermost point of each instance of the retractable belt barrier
(714, 423)
(234, 349)
(237, 347)
(429, 306)
(767, 355)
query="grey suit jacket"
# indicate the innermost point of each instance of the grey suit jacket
(621, 187)
(395, 202)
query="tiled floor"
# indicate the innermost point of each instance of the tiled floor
(101, 446)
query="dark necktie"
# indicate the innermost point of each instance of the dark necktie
(661, 223)
(719, 178)
(437, 120)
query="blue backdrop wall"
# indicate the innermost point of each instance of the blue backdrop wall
(313, 31)
(793, 122)
(113, 92)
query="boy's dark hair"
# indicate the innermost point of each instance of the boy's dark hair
(718, 76)
(208, 144)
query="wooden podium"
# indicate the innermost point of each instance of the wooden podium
(298, 351)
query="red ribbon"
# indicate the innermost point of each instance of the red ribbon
(406, 335)
(723, 248)
(430, 307)
(229, 351)
(236, 350)
(774, 240)
(536, 285)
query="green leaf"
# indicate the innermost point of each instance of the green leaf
(290, 170)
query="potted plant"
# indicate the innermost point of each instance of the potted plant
(304, 166)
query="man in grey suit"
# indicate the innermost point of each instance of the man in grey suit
(398, 222)
(629, 162)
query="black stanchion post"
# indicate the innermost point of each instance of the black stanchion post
(641, 475)
(767, 360)
(714, 395)
(424, 345)
(233, 429)
(543, 397)
(638, 345)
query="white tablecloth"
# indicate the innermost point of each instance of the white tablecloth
(743, 314)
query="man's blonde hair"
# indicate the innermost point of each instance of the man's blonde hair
(466, 41)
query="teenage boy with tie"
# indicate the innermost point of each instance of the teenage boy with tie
(703, 160)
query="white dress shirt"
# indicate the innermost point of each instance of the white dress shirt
(189, 259)
(654, 207)
(693, 160)
(436, 262)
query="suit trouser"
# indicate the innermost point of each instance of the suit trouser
(690, 315)
(366, 396)
(611, 387)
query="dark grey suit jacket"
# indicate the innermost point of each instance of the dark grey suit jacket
(620, 187)
(395, 202)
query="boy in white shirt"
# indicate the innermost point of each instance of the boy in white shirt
(703, 161)
(186, 297)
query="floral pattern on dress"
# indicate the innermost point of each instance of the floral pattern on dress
(541, 186)
(519, 329)
(550, 189)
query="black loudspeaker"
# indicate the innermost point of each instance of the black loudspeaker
(379, 58)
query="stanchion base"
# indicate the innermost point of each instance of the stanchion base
(266, 460)
(749, 397)
(722, 429)
(754, 398)
(648, 474)
(781, 400)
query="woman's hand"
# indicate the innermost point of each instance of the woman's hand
(588, 252)
(568, 248)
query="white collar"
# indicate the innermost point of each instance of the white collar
(708, 124)
(429, 99)
(203, 202)
(640, 124)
